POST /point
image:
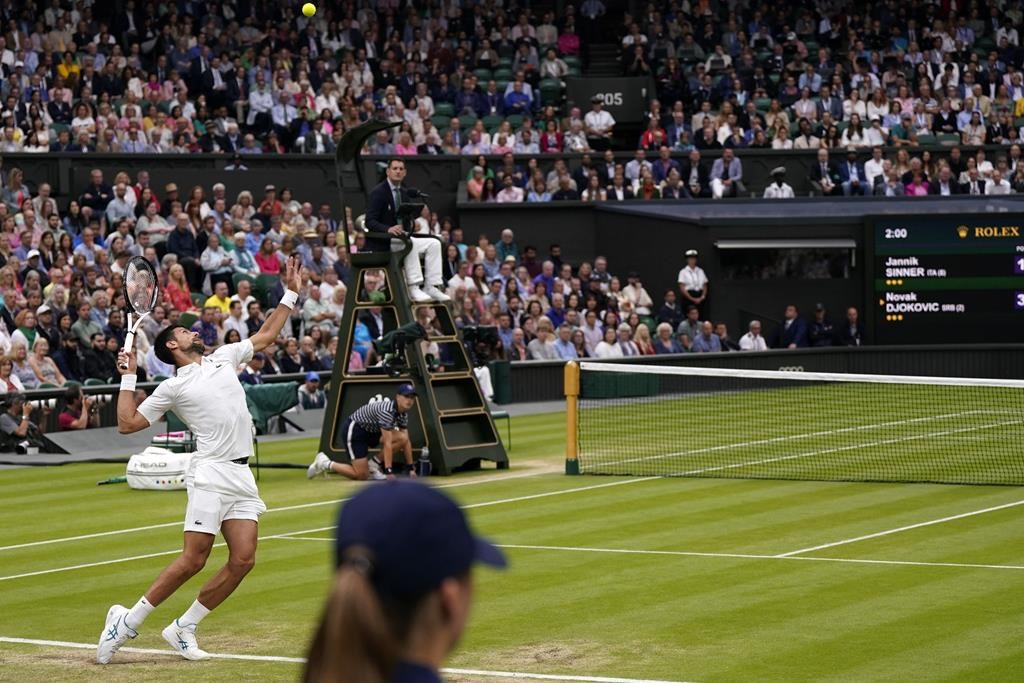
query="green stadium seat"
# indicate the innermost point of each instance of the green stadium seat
(927, 139)
(503, 415)
(440, 121)
(515, 120)
(550, 92)
(502, 84)
(947, 139)
(483, 74)
(444, 109)
(93, 382)
(572, 61)
(238, 277)
(264, 283)
(188, 319)
(762, 103)
(467, 121)
(492, 121)
(159, 378)
(503, 74)
(575, 71)
(198, 298)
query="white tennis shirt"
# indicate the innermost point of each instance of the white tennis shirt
(208, 397)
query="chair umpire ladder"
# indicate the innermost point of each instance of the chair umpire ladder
(451, 415)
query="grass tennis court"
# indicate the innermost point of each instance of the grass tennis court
(621, 578)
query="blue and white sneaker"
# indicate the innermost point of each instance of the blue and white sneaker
(183, 641)
(115, 634)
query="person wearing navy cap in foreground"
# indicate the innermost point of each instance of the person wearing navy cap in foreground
(382, 422)
(402, 591)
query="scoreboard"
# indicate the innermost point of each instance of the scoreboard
(946, 279)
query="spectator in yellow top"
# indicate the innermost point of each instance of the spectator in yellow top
(220, 298)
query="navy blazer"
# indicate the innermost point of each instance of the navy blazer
(381, 214)
(844, 171)
(796, 334)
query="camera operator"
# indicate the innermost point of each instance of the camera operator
(16, 428)
(80, 411)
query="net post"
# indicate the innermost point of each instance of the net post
(572, 393)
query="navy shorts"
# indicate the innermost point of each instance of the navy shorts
(358, 441)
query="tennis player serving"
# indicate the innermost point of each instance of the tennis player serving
(222, 495)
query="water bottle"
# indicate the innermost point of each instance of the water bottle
(423, 467)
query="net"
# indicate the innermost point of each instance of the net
(140, 285)
(650, 420)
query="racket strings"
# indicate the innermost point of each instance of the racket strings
(140, 288)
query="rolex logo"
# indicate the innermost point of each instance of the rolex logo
(962, 231)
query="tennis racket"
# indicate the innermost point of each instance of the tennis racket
(140, 295)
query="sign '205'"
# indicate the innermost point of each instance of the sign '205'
(613, 99)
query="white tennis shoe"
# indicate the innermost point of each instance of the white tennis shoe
(183, 641)
(321, 464)
(115, 634)
(436, 294)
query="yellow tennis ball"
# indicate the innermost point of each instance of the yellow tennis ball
(309, 9)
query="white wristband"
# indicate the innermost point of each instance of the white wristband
(289, 298)
(128, 382)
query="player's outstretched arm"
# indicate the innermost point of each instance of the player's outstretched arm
(129, 420)
(274, 323)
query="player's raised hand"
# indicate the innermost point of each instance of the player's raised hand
(293, 274)
(126, 364)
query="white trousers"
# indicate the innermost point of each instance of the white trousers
(430, 249)
(718, 188)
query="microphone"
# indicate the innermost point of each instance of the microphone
(413, 193)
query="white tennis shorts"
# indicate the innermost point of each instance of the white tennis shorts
(218, 491)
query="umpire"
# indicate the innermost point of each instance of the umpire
(382, 422)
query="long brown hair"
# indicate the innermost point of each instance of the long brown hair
(360, 635)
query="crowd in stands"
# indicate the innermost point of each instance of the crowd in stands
(550, 309)
(256, 78)
(63, 315)
(847, 172)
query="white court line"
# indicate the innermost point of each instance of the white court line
(734, 556)
(301, 506)
(747, 556)
(302, 660)
(318, 529)
(897, 530)
(489, 503)
(796, 437)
